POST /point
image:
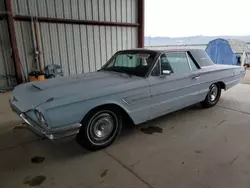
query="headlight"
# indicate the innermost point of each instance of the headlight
(40, 117)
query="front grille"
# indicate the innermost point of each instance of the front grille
(31, 121)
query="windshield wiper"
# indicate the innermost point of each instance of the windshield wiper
(121, 71)
(116, 69)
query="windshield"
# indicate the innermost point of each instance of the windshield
(131, 63)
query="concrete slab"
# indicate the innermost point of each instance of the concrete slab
(9, 126)
(194, 147)
(65, 165)
(246, 79)
(237, 98)
(198, 148)
(6, 116)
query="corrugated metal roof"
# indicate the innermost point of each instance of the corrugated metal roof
(238, 46)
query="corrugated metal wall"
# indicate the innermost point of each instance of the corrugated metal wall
(7, 72)
(77, 48)
(2, 6)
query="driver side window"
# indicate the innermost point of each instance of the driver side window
(165, 64)
(175, 62)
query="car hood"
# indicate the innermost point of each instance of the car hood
(87, 86)
(88, 81)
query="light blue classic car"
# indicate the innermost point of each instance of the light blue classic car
(138, 84)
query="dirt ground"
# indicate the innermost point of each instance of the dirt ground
(194, 147)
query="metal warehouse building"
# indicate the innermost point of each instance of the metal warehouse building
(79, 35)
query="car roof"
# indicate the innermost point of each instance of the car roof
(156, 50)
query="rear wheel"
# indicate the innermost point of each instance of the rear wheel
(213, 96)
(100, 128)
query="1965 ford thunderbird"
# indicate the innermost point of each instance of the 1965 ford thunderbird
(138, 84)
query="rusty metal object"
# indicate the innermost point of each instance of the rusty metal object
(73, 21)
(38, 49)
(11, 27)
(141, 23)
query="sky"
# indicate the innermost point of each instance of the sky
(181, 18)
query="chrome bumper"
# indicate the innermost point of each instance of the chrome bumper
(51, 133)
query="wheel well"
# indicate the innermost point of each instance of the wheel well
(115, 107)
(222, 85)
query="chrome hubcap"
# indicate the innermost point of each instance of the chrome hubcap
(102, 126)
(213, 93)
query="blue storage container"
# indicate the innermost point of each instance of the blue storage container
(227, 51)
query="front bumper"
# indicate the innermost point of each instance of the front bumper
(51, 133)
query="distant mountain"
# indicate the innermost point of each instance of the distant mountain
(155, 41)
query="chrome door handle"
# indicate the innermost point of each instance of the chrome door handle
(195, 77)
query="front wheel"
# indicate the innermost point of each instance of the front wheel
(212, 97)
(100, 128)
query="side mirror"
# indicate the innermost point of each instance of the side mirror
(166, 72)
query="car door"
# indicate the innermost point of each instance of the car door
(174, 91)
(199, 86)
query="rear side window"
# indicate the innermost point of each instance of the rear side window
(201, 57)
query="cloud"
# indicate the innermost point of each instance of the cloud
(176, 18)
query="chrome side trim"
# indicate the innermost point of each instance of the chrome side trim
(173, 90)
(123, 100)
